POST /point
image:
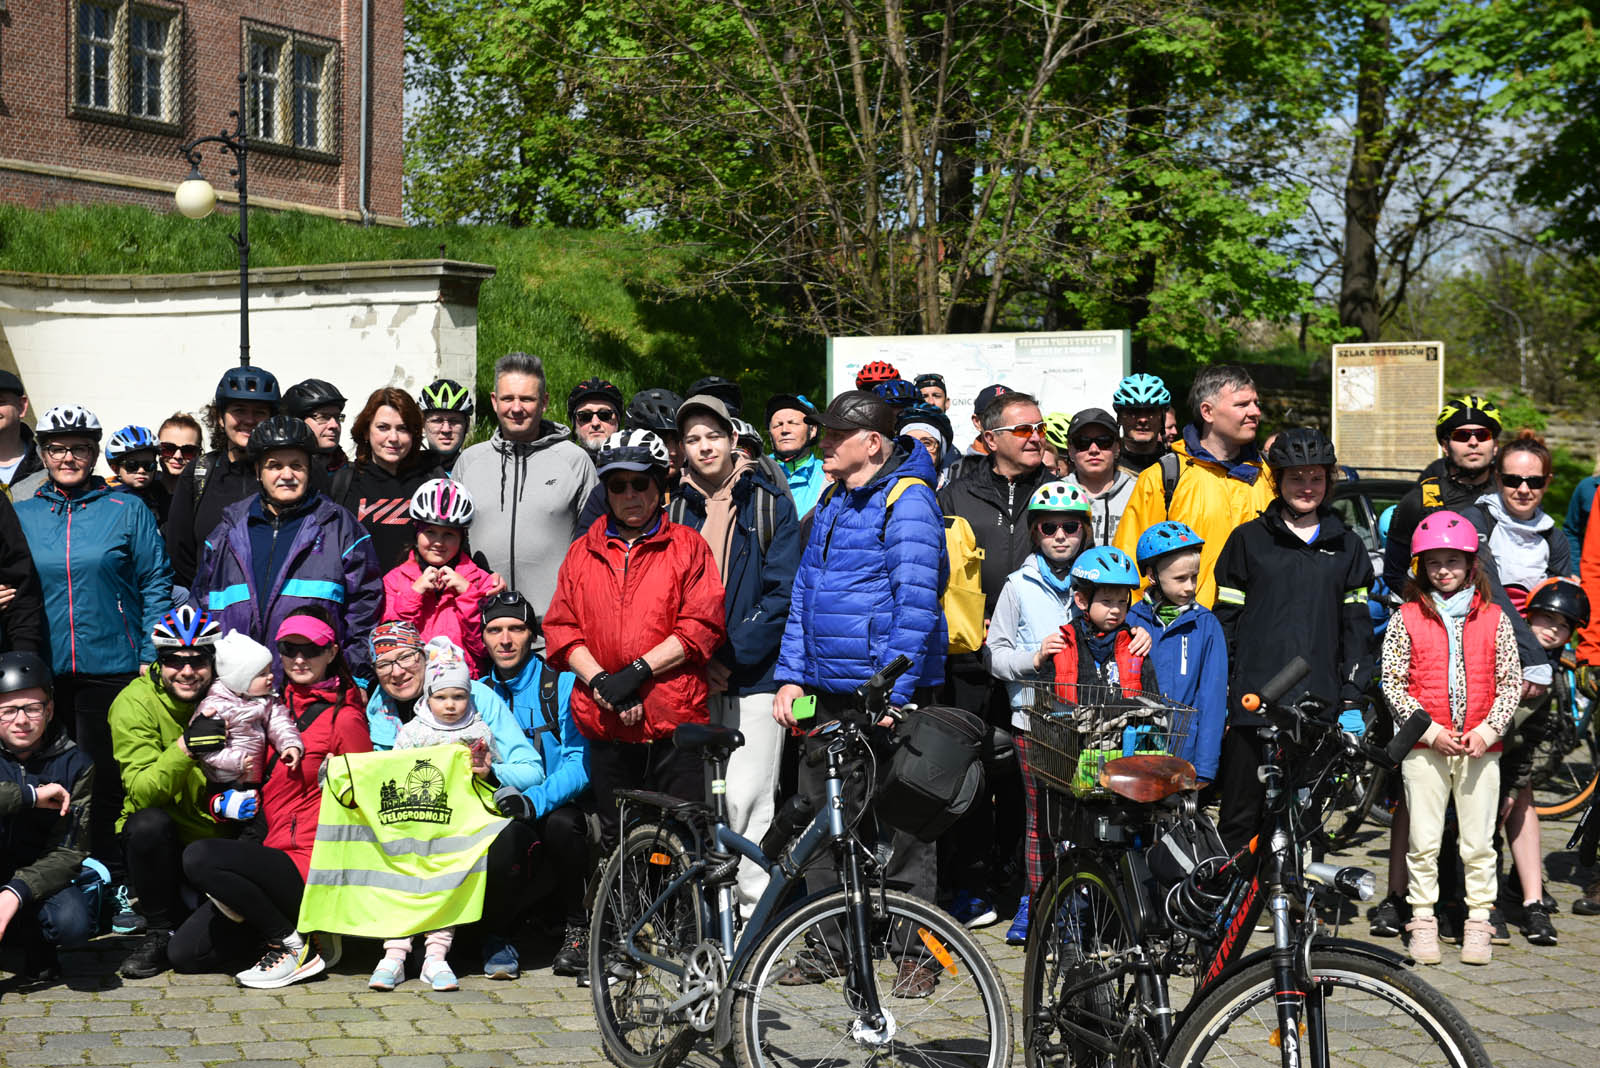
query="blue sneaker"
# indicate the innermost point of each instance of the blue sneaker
(124, 920)
(972, 910)
(1018, 933)
(499, 958)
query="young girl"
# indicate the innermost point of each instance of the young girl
(229, 732)
(437, 588)
(446, 714)
(1453, 655)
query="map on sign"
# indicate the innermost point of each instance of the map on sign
(1067, 371)
(1386, 396)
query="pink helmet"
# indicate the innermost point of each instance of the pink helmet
(1444, 530)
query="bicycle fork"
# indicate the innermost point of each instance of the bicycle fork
(872, 1026)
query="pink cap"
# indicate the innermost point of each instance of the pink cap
(310, 628)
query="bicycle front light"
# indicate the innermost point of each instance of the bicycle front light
(1357, 884)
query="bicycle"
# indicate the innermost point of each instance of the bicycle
(1109, 936)
(1566, 765)
(820, 981)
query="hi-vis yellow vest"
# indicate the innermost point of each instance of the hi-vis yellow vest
(402, 842)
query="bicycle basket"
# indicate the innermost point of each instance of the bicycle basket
(1071, 741)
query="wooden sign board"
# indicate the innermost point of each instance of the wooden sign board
(1386, 398)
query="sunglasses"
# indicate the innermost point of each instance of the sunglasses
(1022, 431)
(595, 415)
(1531, 481)
(179, 661)
(1048, 527)
(144, 466)
(1101, 442)
(291, 650)
(188, 452)
(1472, 433)
(638, 484)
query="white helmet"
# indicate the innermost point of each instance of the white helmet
(443, 502)
(66, 419)
(633, 450)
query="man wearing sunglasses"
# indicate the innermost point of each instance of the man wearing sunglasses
(594, 408)
(19, 456)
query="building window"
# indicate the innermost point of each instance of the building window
(125, 60)
(291, 91)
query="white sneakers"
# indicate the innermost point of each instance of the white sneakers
(280, 966)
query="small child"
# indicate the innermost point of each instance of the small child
(1452, 653)
(445, 714)
(437, 588)
(1097, 646)
(1190, 651)
(229, 731)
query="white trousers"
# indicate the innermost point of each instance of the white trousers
(752, 778)
(1431, 781)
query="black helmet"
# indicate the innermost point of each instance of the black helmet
(447, 395)
(925, 413)
(247, 384)
(303, 398)
(1563, 597)
(725, 390)
(796, 401)
(1301, 446)
(280, 432)
(24, 671)
(594, 387)
(1471, 410)
(654, 409)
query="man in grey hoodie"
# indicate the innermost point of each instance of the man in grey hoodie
(529, 483)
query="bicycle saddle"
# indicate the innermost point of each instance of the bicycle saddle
(707, 736)
(1146, 777)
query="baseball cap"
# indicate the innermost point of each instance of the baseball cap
(987, 395)
(705, 402)
(1094, 417)
(857, 409)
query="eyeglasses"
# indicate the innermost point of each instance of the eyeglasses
(1101, 442)
(179, 661)
(1021, 431)
(595, 415)
(324, 417)
(1048, 527)
(1472, 433)
(300, 650)
(145, 466)
(400, 661)
(1515, 481)
(32, 710)
(78, 452)
(170, 449)
(638, 484)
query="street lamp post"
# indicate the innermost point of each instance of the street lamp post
(196, 199)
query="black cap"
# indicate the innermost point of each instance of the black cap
(508, 604)
(930, 380)
(857, 409)
(10, 383)
(1094, 417)
(987, 395)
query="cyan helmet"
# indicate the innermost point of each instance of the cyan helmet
(130, 439)
(1141, 391)
(1057, 428)
(1167, 536)
(1059, 497)
(1385, 517)
(1104, 566)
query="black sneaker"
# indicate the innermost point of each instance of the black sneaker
(1537, 926)
(1390, 917)
(41, 963)
(148, 957)
(573, 956)
(1502, 934)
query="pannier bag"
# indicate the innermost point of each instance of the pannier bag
(1183, 847)
(935, 771)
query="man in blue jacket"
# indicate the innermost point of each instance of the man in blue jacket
(540, 700)
(867, 591)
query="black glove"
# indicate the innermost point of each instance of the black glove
(513, 803)
(205, 735)
(620, 689)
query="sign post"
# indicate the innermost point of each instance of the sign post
(1386, 397)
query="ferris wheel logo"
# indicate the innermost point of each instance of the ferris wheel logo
(422, 799)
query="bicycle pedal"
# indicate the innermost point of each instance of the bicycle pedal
(651, 1009)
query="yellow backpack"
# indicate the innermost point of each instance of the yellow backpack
(962, 596)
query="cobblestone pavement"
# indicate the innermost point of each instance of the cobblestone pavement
(1535, 1008)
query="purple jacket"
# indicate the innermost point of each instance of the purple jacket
(330, 564)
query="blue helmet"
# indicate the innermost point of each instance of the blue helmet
(898, 393)
(1384, 519)
(1104, 566)
(1167, 536)
(130, 439)
(1141, 391)
(186, 627)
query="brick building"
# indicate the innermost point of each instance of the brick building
(97, 95)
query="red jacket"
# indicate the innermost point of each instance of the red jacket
(620, 602)
(453, 615)
(1430, 662)
(1076, 665)
(291, 800)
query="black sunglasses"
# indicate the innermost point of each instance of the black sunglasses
(291, 650)
(188, 452)
(1531, 481)
(137, 465)
(638, 483)
(1100, 441)
(595, 415)
(1048, 527)
(179, 661)
(1472, 433)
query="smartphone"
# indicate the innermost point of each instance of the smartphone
(804, 707)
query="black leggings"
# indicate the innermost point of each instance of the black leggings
(83, 702)
(258, 882)
(653, 765)
(565, 834)
(154, 853)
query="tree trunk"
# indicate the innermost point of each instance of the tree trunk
(1359, 304)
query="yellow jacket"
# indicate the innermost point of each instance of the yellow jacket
(1205, 498)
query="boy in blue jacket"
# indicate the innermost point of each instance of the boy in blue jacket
(1189, 651)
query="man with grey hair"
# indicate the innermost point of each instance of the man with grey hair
(528, 481)
(1213, 479)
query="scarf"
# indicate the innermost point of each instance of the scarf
(1453, 610)
(1102, 647)
(1165, 611)
(1245, 467)
(1521, 553)
(1058, 583)
(718, 526)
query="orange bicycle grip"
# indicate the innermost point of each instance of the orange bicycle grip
(1250, 702)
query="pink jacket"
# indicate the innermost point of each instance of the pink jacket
(455, 616)
(251, 722)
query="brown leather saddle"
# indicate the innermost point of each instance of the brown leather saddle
(1147, 777)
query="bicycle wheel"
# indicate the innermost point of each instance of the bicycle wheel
(630, 996)
(1078, 930)
(1374, 1014)
(1566, 765)
(797, 1006)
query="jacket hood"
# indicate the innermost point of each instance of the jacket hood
(1331, 525)
(97, 488)
(1247, 467)
(1143, 613)
(749, 478)
(908, 459)
(550, 432)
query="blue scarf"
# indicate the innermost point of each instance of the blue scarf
(1245, 467)
(1059, 583)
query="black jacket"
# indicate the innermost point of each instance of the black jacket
(191, 518)
(381, 502)
(1279, 597)
(40, 849)
(997, 509)
(22, 621)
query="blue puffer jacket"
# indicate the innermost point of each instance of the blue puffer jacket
(566, 752)
(757, 601)
(105, 575)
(1191, 659)
(330, 564)
(520, 764)
(868, 585)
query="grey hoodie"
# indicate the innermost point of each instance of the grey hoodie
(1108, 507)
(528, 497)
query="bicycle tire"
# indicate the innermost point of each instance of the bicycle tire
(966, 1020)
(1079, 922)
(1568, 780)
(625, 992)
(1370, 1006)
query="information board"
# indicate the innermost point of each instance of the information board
(1386, 398)
(1067, 371)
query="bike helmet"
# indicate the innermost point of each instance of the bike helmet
(446, 395)
(746, 435)
(130, 439)
(1471, 410)
(1444, 529)
(897, 393)
(921, 412)
(1563, 597)
(1301, 446)
(303, 398)
(25, 671)
(875, 372)
(1057, 428)
(1104, 566)
(1059, 497)
(1141, 391)
(653, 409)
(1385, 518)
(186, 628)
(725, 390)
(594, 387)
(924, 381)
(795, 401)
(66, 419)
(247, 384)
(442, 502)
(280, 432)
(633, 450)
(1167, 536)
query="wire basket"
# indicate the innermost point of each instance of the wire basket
(1076, 729)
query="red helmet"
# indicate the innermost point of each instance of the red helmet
(875, 372)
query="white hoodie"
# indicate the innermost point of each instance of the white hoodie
(1520, 546)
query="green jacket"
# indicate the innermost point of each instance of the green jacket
(146, 724)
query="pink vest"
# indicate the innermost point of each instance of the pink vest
(1430, 661)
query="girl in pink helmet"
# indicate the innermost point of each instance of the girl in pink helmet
(1453, 656)
(437, 588)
